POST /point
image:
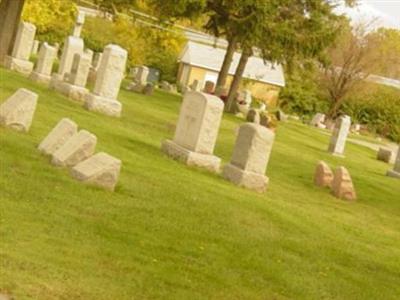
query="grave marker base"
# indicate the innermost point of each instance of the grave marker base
(393, 173)
(246, 179)
(190, 158)
(109, 107)
(24, 67)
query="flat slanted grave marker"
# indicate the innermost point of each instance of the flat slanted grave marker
(197, 131)
(250, 157)
(78, 148)
(58, 136)
(101, 170)
(323, 176)
(342, 186)
(18, 110)
(396, 170)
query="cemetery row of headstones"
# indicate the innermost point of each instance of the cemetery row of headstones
(75, 68)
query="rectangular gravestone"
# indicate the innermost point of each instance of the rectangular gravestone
(19, 59)
(100, 169)
(339, 136)
(103, 99)
(250, 157)
(197, 131)
(396, 169)
(18, 110)
(44, 65)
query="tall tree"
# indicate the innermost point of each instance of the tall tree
(352, 59)
(283, 30)
(10, 15)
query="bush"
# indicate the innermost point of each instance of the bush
(54, 19)
(378, 107)
(146, 45)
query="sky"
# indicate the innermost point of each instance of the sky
(387, 12)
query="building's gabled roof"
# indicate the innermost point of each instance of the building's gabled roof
(211, 58)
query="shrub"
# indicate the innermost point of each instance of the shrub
(54, 19)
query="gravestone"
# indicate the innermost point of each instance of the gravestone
(141, 75)
(44, 65)
(166, 86)
(339, 136)
(74, 86)
(100, 169)
(80, 20)
(148, 89)
(103, 99)
(196, 132)
(58, 136)
(318, 119)
(250, 157)
(77, 148)
(35, 47)
(95, 66)
(396, 169)
(323, 175)
(72, 45)
(209, 87)
(342, 185)
(19, 59)
(196, 85)
(253, 116)
(384, 155)
(18, 110)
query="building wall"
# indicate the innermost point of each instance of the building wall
(260, 90)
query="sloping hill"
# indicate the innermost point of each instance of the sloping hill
(173, 232)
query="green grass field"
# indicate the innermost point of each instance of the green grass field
(174, 232)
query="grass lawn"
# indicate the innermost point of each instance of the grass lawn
(174, 232)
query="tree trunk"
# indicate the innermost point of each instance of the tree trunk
(224, 72)
(333, 112)
(231, 105)
(10, 15)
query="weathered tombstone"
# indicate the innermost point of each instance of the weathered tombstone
(356, 128)
(42, 72)
(72, 45)
(148, 89)
(196, 85)
(318, 119)
(281, 116)
(197, 131)
(253, 116)
(209, 87)
(342, 185)
(77, 148)
(250, 157)
(80, 20)
(101, 170)
(19, 59)
(18, 110)
(35, 47)
(74, 85)
(142, 74)
(95, 66)
(166, 86)
(384, 154)
(265, 120)
(323, 175)
(396, 169)
(108, 82)
(58, 136)
(339, 136)
(244, 98)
